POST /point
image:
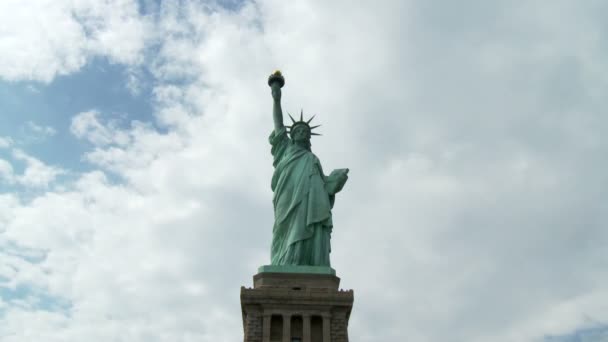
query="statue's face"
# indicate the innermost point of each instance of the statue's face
(300, 133)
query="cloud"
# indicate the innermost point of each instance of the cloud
(6, 171)
(596, 333)
(42, 131)
(474, 136)
(134, 83)
(50, 38)
(86, 125)
(5, 142)
(36, 173)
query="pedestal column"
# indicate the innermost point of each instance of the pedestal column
(286, 328)
(326, 329)
(266, 328)
(305, 328)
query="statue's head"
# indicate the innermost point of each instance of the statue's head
(301, 131)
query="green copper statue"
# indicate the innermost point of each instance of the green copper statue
(303, 194)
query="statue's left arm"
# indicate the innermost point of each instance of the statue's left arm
(334, 183)
(336, 180)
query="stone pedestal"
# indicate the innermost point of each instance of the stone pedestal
(295, 307)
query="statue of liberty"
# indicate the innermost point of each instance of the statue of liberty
(303, 194)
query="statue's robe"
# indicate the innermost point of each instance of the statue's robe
(302, 208)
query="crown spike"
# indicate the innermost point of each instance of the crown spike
(315, 133)
(293, 121)
(302, 115)
(313, 127)
(309, 120)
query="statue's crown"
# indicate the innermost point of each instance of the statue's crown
(301, 122)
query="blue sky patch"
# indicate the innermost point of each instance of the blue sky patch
(100, 85)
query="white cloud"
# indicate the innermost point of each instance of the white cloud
(86, 125)
(134, 83)
(36, 173)
(5, 142)
(473, 200)
(48, 38)
(6, 171)
(42, 131)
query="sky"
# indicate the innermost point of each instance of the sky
(135, 167)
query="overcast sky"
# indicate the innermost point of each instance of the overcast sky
(135, 167)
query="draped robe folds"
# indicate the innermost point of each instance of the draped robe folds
(302, 208)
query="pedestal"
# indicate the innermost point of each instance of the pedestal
(295, 306)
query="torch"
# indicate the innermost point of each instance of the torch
(276, 79)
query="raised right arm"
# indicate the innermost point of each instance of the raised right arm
(277, 112)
